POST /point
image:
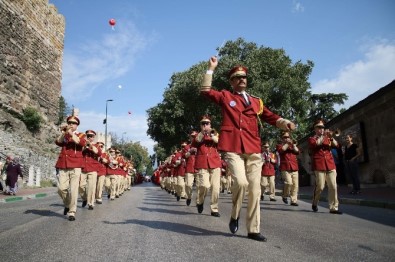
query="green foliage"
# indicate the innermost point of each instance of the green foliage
(272, 76)
(323, 105)
(64, 110)
(32, 119)
(160, 153)
(47, 183)
(135, 152)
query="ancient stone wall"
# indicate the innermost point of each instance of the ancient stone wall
(31, 54)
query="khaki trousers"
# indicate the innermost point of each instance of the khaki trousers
(291, 185)
(99, 187)
(330, 178)
(229, 178)
(87, 187)
(189, 177)
(68, 188)
(246, 173)
(128, 182)
(206, 179)
(173, 182)
(268, 181)
(224, 183)
(110, 185)
(180, 186)
(162, 182)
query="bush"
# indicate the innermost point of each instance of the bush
(47, 183)
(32, 119)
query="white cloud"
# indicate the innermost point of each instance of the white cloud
(135, 127)
(363, 77)
(95, 62)
(297, 7)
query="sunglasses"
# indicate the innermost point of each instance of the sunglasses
(205, 123)
(239, 77)
(90, 136)
(72, 123)
(285, 137)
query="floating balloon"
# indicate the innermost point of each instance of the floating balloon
(112, 23)
(129, 112)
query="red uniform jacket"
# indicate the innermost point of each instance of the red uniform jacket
(102, 171)
(179, 164)
(321, 156)
(71, 154)
(269, 160)
(288, 160)
(190, 158)
(207, 156)
(91, 160)
(239, 128)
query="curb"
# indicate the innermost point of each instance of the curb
(351, 201)
(25, 197)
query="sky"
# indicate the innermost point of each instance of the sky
(351, 42)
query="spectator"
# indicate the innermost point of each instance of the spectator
(13, 170)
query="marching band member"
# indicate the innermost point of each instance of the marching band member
(190, 172)
(208, 164)
(69, 164)
(324, 166)
(241, 114)
(111, 177)
(101, 173)
(91, 153)
(289, 167)
(180, 172)
(268, 172)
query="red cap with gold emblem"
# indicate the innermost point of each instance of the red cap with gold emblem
(73, 119)
(90, 132)
(319, 123)
(205, 118)
(238, 71)
(266, 144)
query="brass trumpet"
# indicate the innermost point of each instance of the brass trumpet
(333, 133)
(64, 127)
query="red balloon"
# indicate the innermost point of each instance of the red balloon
(112, 22)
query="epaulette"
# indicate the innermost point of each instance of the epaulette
(81, 135)
(260, 104)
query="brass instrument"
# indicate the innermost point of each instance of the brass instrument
(113, 164)
(213, 132)
(332, 133)
(64, 127)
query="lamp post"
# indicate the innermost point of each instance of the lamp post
(105, 132)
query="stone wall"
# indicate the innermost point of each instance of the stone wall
(376, 117)
(31, 54)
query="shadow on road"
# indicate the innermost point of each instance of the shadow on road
(161, 210)
(174, 227)
(44, 213)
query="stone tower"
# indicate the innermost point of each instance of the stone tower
(31, 54)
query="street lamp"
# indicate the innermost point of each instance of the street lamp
(105, 122)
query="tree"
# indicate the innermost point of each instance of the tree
(133, 151)
(64, 110)
(323, 105)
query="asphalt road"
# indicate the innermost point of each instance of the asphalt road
(148, 224)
